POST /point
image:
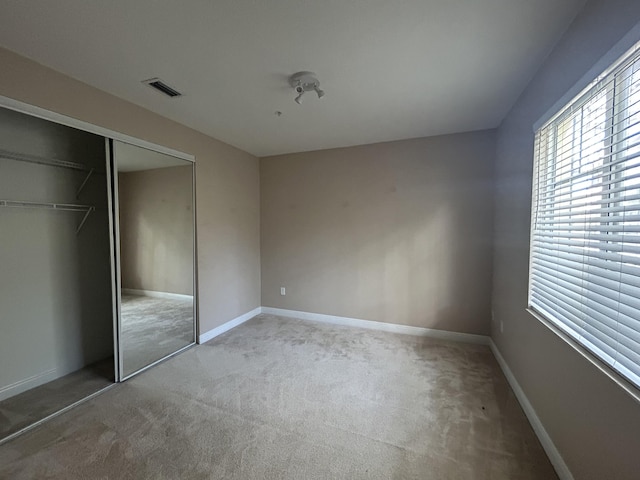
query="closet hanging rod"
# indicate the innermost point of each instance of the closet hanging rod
(69, 207)
(53, 206)
(51, 162)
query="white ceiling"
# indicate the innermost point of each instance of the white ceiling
(391, 69)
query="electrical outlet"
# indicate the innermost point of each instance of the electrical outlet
(283, 291)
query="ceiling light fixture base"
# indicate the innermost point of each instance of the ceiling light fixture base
(303, 82)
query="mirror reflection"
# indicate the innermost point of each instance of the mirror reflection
(155, 201)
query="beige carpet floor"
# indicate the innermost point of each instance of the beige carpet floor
(278, 398)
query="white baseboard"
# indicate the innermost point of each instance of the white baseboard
(225, 327)
(152, 293)
(350, 322)
(552, 452)
(28, 383)
(385, 327)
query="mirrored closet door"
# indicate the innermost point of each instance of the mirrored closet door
(154, 200)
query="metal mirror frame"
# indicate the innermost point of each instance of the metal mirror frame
(114, 214)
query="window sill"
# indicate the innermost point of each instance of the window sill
(627, 386)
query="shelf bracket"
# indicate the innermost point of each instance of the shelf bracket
(86, 179)
(84, 219)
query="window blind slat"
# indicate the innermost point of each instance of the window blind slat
(561, 314)
(585, 283)
(630, 274)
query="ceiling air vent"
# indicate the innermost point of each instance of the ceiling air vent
(162, 87)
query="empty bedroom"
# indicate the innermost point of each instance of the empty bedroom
(354, 239)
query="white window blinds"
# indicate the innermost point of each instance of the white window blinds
(584, 272)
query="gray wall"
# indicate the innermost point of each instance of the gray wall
(395, 232)
(156, 229)
(227, 181)
(593, 423)
(55, 293)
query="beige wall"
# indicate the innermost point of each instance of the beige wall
(395, 232)
(593, 423)
(156, 229)
(227, 181)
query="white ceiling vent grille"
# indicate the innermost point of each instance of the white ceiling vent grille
(162, 87)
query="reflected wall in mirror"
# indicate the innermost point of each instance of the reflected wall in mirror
(156, 223)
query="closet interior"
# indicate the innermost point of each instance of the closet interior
(62, 330)
(56, 332)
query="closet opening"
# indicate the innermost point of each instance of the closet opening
(56, 304)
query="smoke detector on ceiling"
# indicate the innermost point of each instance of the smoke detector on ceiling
(303, 82)
(162, 87)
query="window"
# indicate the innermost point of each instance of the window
(584, 272)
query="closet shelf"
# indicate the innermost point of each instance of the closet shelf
(51, 162)
(87, 209)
